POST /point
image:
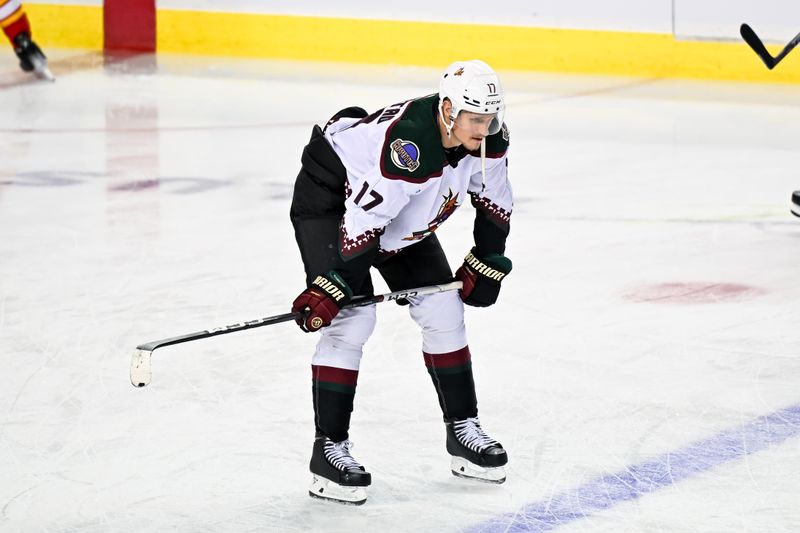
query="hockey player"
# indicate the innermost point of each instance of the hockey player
(371, 192)
(18, 30)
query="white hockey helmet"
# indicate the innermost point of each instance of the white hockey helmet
(472, 86)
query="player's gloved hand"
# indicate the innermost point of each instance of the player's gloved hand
(481, 278)
(321, 301)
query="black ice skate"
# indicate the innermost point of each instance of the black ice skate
(337, 475)
(475, 454)
(31, 57)
(796, 203)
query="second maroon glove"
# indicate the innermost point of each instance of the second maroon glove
(481, 278)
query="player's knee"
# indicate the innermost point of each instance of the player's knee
(360, 323)
(342, 342)
(441, 311)
(441, 318)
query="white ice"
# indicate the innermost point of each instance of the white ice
(141, 200)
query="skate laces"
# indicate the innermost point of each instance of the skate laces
(471, 435)
(338, 454)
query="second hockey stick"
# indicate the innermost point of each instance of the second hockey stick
(758, 47)
(141, 373)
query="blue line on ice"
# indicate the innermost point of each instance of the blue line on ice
(635, 481)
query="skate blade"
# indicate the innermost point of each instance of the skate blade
(325, 489)
(460, 467)
(45, 74)
(41, 71)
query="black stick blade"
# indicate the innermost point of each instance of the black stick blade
(758, 47)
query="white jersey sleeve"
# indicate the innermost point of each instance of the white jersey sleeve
(492, 194)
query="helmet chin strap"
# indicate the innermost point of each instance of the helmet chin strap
(483, 161)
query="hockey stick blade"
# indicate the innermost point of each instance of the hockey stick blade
(140, 371)
(140, 368)
(758, 47)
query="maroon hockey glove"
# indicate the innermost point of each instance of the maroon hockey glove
(482, 277)
(321, 301)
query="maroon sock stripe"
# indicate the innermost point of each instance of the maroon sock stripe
(337, 376)
(458, 358)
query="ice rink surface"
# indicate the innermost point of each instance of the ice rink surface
(642, 366)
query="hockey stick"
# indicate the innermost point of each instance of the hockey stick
(758, 47)
(140, 363)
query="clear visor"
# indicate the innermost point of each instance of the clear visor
(478, 123)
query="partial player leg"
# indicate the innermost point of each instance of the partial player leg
(447, 358)
(15, 25)
(475, 455)
(316, 211)
(336, 474)
(796, 203)
(334, 368)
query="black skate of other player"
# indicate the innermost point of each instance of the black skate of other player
(31, 57)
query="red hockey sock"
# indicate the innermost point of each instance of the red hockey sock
(15, 23)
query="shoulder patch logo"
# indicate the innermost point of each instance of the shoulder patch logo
(506, 134)
(405, 155)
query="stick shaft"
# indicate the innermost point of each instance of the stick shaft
(286, 317)
(788, 48)
(140, 363)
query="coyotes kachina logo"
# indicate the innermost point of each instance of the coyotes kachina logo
(447, 208)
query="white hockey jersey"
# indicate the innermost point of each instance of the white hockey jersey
(401, 182)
